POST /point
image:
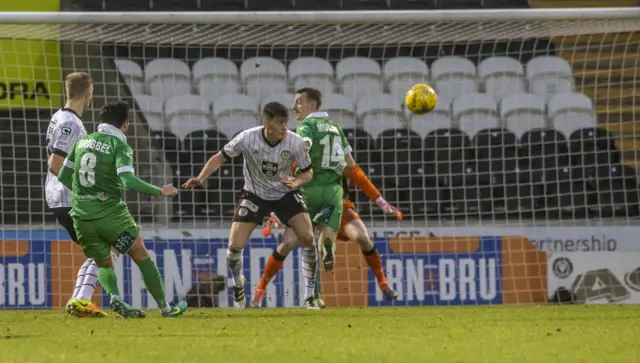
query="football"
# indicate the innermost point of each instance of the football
(420, 99)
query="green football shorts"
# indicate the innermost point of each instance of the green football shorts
(98, 236)
(324, 203)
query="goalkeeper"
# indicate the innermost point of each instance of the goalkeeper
(98, 167)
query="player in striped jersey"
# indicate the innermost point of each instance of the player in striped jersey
(64, 130)
(269, 152)
(351, 228)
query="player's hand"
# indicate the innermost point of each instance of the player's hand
(388, 208)
(272, 222)
(192, 183)
(168, 191)
(291, 183)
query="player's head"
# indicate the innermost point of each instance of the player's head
(116, 113)
(276, 119)
(307, 100)
(79, 87)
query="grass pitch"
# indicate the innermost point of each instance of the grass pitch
(563, 334)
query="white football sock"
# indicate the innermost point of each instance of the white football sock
(80, 279)
(309, 270)
(89, 283)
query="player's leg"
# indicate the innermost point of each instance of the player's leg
(96, 246)
(250, 212)
(325, 209)
(293, 212)
(354, 230)
(80, 304)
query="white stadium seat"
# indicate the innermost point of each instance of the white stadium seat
(185, 114)
(215, 77)
(473, 112)
(312, 72)
(262, 76)
(358, 77)
(234, 113)
(132, 75)
(341, 109)
(501, 76)
(165, 78)
(549, 75)
(523, 112)
(380, 112)
(287, 100)
(152, 109)
(454, 76)
(401, 73)
(438, 118)
(571, 111)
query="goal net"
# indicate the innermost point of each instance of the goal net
(529, 155)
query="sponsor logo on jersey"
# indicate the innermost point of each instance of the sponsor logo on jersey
(269, 168)
(249, 205)
(65, 130)
(242, 211)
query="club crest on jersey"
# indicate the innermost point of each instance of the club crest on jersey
(242, 211)
(269, 168)
(285, 155)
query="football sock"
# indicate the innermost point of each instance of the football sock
(309, 270)
(375, 264)
(80, 279)
(274, 264)
(153, 282)
(108, 280)
(89, 282)
(234, 260)
(316, 291)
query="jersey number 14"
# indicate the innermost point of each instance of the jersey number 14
(332, 153)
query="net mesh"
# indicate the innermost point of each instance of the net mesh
(451, 185)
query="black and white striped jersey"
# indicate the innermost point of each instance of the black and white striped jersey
(266, 164)
(64, 130)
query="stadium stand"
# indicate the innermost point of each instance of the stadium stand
(517, 134)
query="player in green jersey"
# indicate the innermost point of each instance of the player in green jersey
(97, 169)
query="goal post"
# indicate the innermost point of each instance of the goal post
(487, 213)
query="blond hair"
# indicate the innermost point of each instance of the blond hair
(77, 84)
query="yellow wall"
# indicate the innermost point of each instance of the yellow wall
(30, 74)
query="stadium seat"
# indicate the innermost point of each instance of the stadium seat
(401, 73)
(548, 75)
(516, 195)
(364, 147)
(262, 76)
(473, 112)
(566, 196)
(152, 109)
(224, 5)
(496, 151)
(501, 76)
(454, 76)
(571, 111)
(132, 74)
(469, 197)
(203, 144)
(413, 4)
(438, 118)
(165, 78)
(401, 154)
(445, 155)
(312, 72)
(341, 109)
(365, 4)
(168, 143)
(591, 148)
(523, 112)
(185, 114)
(287, 100)
(358, 77)
(380, 112)
(617, 191)
(543, 152)
(215, 77)
(234, 113)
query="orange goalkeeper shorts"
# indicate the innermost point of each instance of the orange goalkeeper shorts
(348, 214)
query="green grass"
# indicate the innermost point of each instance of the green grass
(562, 334)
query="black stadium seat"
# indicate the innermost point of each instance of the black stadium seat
(364, 147)
(445, 155)
(495, 150)
(591, 148)
(616, 190)
(168, 143)
(543, 152)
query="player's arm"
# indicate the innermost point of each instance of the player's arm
(231, 150)
(65, 174)
(126, 172)
(303, 163)
(65, 135)
(346, 148)
(360, 179)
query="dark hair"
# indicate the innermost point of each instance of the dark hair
(312, 94)
(77, 84)
(275, 109)
(115, 113)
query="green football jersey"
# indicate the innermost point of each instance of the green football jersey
(97, 160)
(328, 148)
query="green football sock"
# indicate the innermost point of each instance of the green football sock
(108, 280)
(153, 281)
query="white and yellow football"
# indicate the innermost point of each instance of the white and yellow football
(420, 99)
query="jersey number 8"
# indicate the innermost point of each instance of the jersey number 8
(87, 175)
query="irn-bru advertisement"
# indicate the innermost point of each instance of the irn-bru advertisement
(38, 271)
